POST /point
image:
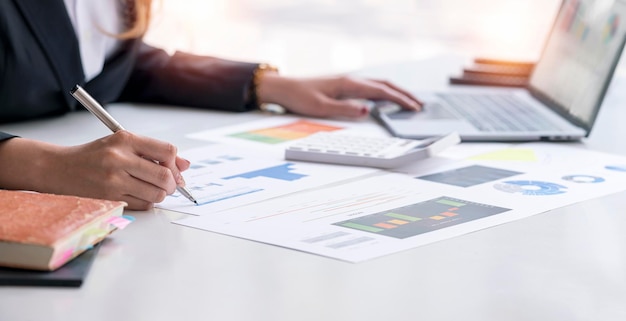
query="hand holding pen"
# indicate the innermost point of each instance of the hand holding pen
(154, 179)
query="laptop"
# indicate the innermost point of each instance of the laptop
(566, 87)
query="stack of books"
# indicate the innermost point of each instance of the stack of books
(494, 72)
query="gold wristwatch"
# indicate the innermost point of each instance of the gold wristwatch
(257, 76)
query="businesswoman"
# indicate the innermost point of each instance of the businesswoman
(46, 47)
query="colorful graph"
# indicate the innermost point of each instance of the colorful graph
(583, 179)
(573, 21)
(610, 29)
(530, 187)
(284, 133)
(281, 172)
(423, 217)
(569, 16)
(211, 192)
(216, 160)
(469, 176)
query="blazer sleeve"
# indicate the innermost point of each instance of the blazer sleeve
(188, 80)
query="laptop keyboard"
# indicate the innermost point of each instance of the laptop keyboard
(497, 112)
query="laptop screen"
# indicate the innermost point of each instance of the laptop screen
(580, 56)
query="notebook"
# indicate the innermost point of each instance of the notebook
(72, 274)
(563, 98)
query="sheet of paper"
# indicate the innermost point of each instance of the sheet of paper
(391, 212)
(222, 177)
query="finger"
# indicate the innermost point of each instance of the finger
(143, 190)
(152, 174)
(162, 152)
(391, 94)
(401, 90)
(369, 89)
(345, 107)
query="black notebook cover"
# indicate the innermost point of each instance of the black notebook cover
(72, 274)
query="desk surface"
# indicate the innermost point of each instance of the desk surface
(567, 264)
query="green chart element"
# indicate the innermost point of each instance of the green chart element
(423, 217)
(259, 138)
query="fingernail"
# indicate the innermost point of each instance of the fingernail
(187, 161)
(180, 180)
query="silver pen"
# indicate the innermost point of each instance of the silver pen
(95, 108)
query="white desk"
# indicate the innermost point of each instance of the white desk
(568, 264)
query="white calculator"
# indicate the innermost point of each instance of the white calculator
(357, 150)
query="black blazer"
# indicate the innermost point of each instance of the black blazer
(40, 62)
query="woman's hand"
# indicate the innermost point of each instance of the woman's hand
(331, 96)
(117, 167)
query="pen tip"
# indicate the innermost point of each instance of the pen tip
(196, 202)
